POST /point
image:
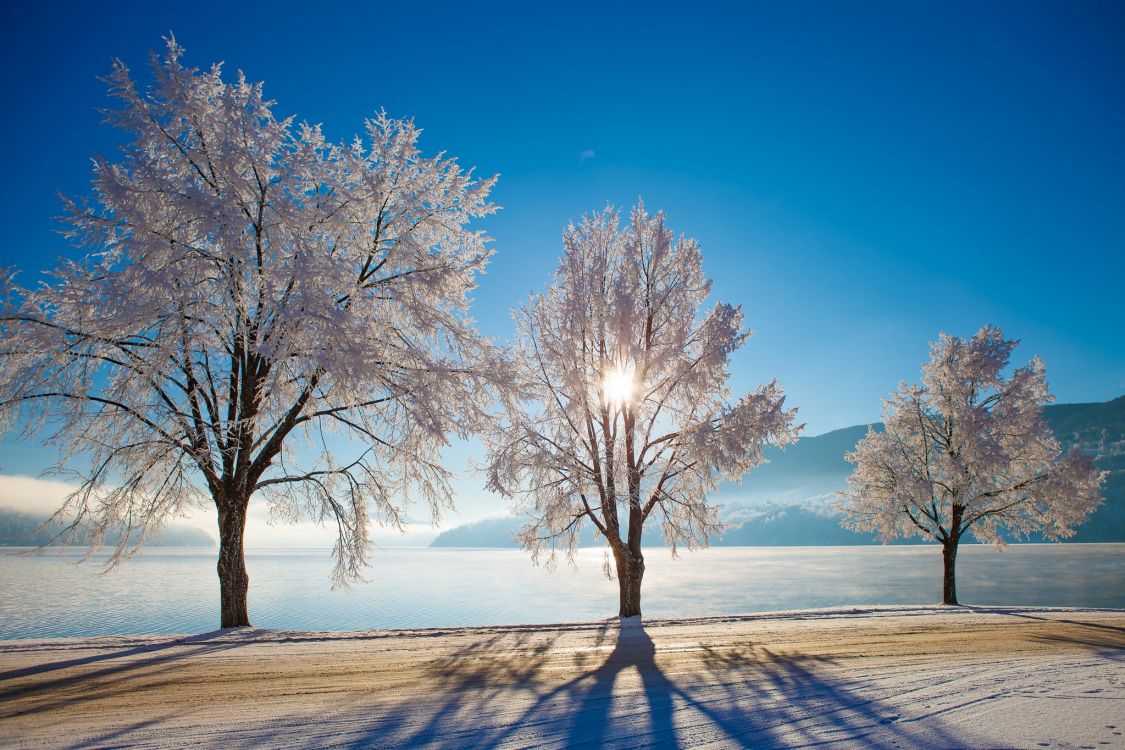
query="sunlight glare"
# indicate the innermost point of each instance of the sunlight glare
(617, 387)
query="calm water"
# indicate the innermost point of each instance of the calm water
(176, 591)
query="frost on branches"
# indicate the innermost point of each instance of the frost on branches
(627, 418)
(968, 450)
(251, 289)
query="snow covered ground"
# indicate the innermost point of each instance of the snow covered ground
(885, 677)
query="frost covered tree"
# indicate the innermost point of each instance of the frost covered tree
(968, 450)
(255, 301)
(627, 418)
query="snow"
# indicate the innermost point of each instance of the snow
(863, 677)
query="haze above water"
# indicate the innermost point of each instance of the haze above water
(176, 591)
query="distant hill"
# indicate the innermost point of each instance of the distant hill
(491, 532)
(789, 500)
(770, 525)
(812, 467)
(22, 530)
(792, 526)
(501, 533)
(1098, 425)
(1097, 429)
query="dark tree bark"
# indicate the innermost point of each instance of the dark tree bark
(630, 572)
(949, 582)
(949, 540)
(234, 582)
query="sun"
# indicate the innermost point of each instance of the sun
(617, 386)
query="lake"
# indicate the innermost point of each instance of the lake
(176, 590)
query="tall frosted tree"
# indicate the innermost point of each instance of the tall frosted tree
(253, 294)
(627, 419)
(968, 450)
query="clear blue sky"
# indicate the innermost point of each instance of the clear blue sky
(861, 175)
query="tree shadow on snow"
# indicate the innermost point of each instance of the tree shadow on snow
(734, 697)
(1031, 615)
(118, 669)
(1106, 641)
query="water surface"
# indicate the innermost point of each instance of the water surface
(176, 590)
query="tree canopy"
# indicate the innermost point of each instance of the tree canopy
(627, 414)
(968, 451)
(252, 289)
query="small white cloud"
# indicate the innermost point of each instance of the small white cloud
(586, 155)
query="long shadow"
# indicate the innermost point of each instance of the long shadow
(741, 697)
(117, 673)
(1029, 616)
(476, 670)
(805, 708)
(123, 654)
(1110, 648)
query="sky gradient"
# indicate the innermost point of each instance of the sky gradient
(861, 176)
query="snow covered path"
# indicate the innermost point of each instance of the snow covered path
(885, 677)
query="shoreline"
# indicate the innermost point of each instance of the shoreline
(265, 634)
(878, 676)
(81, 548)
(294, 635)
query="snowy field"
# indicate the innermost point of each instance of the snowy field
(883, 677)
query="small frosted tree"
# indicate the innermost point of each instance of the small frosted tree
(626, 418)
(252, 289)
(968, 450)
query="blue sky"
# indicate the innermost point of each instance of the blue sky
(861, 176)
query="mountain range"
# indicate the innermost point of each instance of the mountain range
(789, 500)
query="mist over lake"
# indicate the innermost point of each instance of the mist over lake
(173, 590)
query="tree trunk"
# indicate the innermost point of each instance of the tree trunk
(234, 583)
(949, 583)
(630, 572)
